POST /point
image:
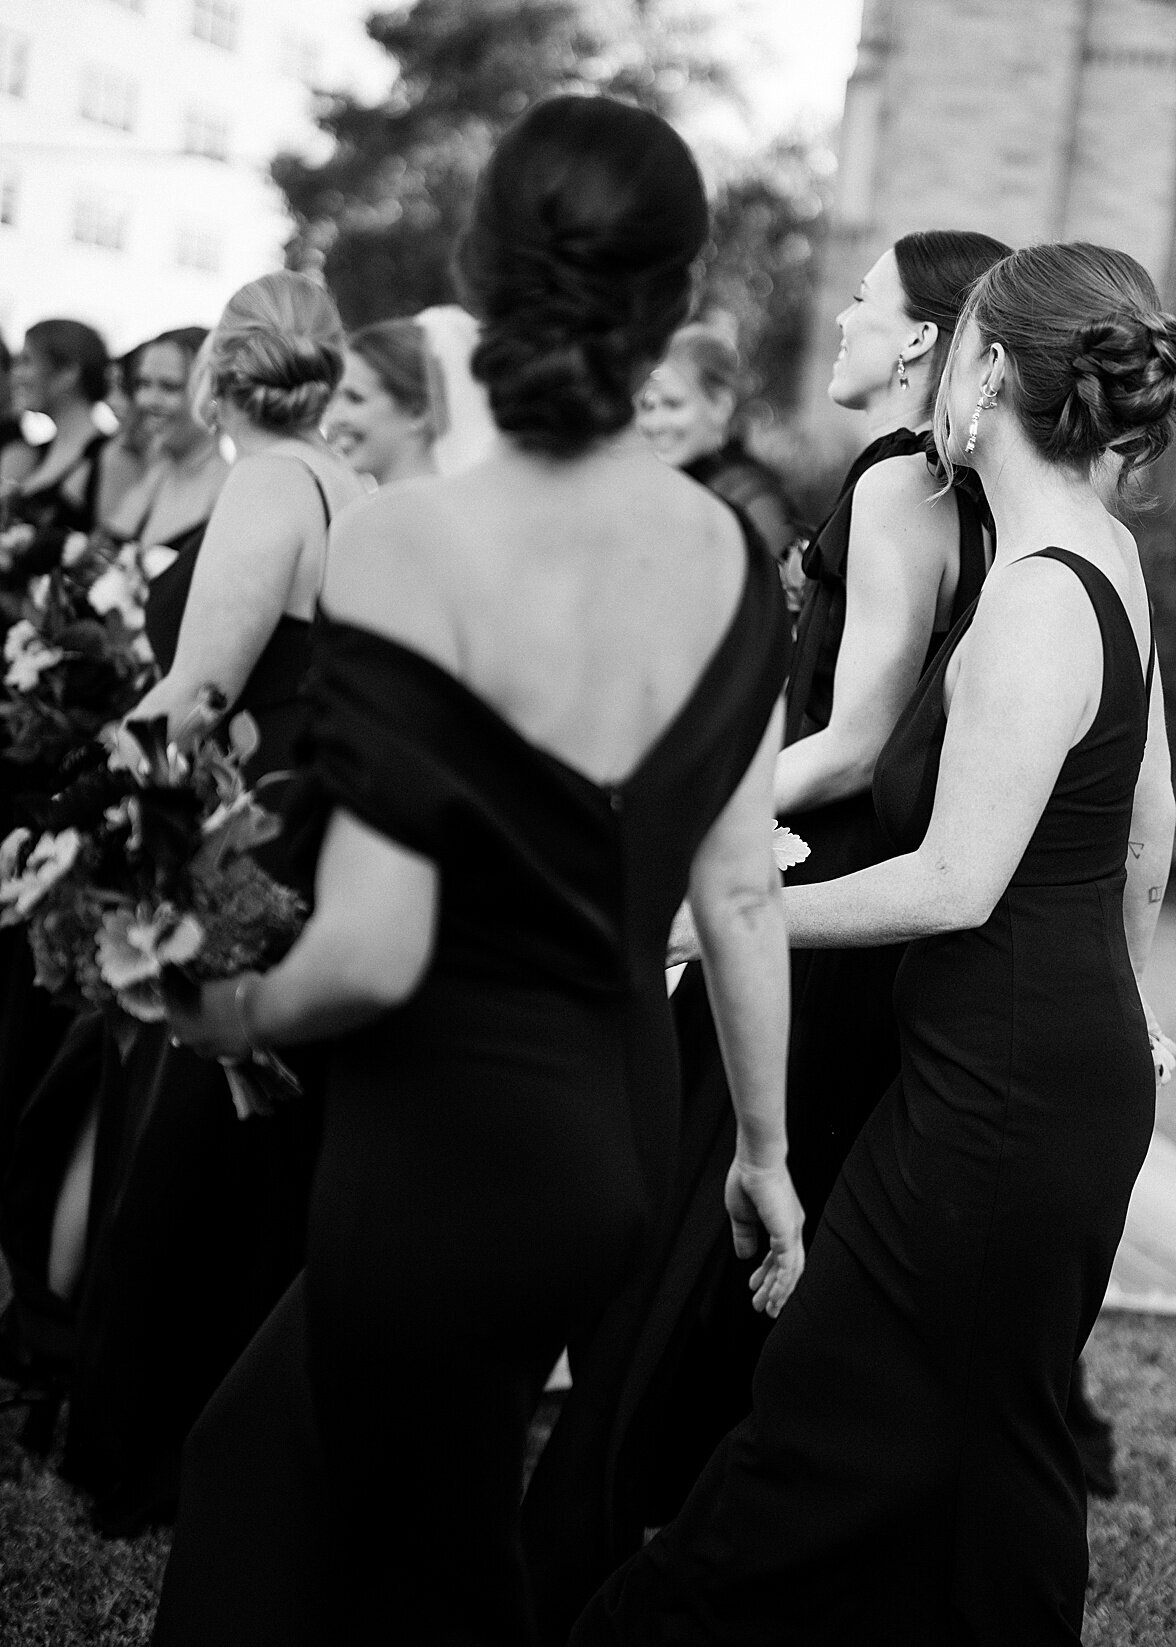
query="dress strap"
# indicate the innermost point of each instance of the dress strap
(1101, 591)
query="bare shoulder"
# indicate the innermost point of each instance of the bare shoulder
(900, 501)
(1035, 605)
(896, 483)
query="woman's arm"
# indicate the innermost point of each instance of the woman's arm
(1149, 853)
(364, 950)
(1029, 674)
(900, 543)
(735, 897)
(242, 582)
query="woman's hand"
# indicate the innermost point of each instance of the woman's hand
(763, 1198)
(1163, 1048)
(207, 1022)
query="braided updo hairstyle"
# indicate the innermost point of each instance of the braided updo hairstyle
(276, 354)
(1091, 353)
(587, 221)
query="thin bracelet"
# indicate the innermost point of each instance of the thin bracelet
(251, 1041)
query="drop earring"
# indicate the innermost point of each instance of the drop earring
(985, 404)
(904, 381)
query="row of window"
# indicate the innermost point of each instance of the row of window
(103, 221)
(213, 20)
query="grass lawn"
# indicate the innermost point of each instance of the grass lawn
(61, 1586)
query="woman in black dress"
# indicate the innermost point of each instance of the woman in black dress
(196, 1222)
(906, 1475)
(668, 1370)
(689, 412)
(545, 699)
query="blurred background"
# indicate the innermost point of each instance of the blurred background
(155, 154)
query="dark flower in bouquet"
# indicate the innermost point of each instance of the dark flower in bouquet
(151, 886)
(76, 655)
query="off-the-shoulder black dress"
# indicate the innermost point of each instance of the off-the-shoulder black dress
(906, 1477)
(494, 1153)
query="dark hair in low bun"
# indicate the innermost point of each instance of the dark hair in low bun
(577, 262)
(1091, 354)
(276, 353)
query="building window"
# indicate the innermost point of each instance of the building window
(206, 133)
(109, 98)
(198, 248)
(100, 220)
(216, 21)
(14, 63)
(9, 199)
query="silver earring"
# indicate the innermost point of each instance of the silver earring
(985, 404)
(904, 381)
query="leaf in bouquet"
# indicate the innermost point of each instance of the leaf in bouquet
(238, 827)
(14, 850)
(244, 737)
(87, 637)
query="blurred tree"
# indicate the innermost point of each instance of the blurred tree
(381, 214)
(761, 266)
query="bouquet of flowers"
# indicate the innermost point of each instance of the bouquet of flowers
(76, 656)
(145, 883)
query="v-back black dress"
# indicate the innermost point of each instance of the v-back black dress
(668, 1369)
(197, 1218)
(494, 1153)
(906, 1477)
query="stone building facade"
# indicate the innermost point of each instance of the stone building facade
(1027, 119)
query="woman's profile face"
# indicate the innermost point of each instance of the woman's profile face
(161, 393)
(678, 418)
(874, 328)
(366, 425)
(32, 380)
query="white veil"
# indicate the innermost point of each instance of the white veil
(461, 409)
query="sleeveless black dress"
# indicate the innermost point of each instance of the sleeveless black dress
(494, 1153)
(197, 1221)
(906, 1476)
(668, 1370)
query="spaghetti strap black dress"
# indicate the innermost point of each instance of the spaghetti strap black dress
(906, 1477)
(667, 1371)
(197, 1220)
(494, 1153)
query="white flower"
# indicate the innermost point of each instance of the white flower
(39, 591)
(11, 850)
(74, 549)
(116, 591)
(156, 558)
(27, 655)
(51, 858)
(1163, 1052)
(134, 946)
(788, 849)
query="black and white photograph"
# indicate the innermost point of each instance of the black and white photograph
(587, 966)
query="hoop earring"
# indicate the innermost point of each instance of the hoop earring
(904, 381)
(985, 404)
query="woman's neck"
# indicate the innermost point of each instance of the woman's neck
(409, 464)
(895, 408)
(74, 423)
(1035, 503)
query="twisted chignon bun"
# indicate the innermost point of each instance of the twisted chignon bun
(1124, 390)
(577, 263)
(276, 354)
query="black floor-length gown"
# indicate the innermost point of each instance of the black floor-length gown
(197, 1218)
(667, 1371)
(906, 1477)
(494, 1153)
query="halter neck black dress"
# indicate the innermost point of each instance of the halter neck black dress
(198, 1218)
(495, 1151)
(668, 1369)
(906, 1477)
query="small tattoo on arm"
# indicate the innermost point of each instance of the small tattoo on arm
(1136, 848)
(1154, 894)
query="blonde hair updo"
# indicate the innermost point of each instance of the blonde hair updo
(276, 354)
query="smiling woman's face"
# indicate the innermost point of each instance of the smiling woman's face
(161, 392)
(677, 416)
(874, 328)
(365, 424)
